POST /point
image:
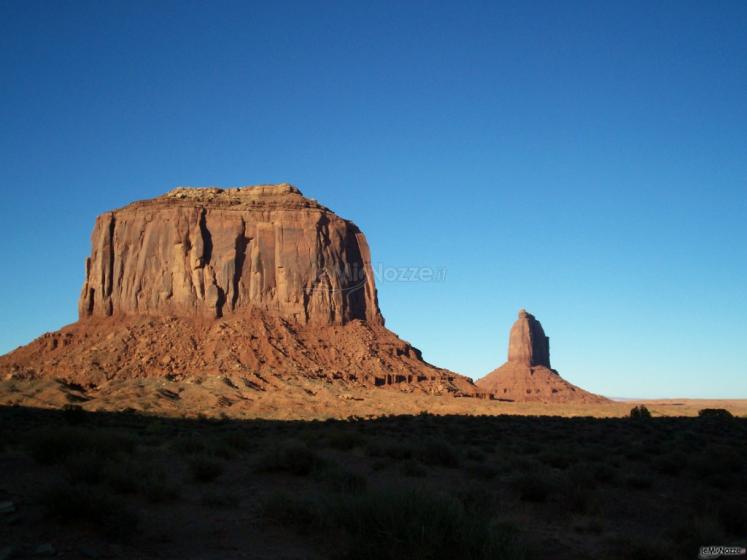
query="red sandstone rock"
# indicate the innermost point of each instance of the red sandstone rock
(527, 375)
(527, 342)
(260, 283)
(217, 252)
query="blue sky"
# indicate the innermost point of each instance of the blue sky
(585, 160)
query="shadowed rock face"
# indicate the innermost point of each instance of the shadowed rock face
(218, 252)
(527, 343)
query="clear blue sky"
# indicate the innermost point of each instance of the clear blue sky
(585, 160)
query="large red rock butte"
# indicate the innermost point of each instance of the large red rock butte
(527, 375)
(218, 252)
(256, 283)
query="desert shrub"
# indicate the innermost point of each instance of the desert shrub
(702, 466)
(237, 441)
(73, 414)
(345, 440)
(592, 452)
(555, 459)
(290, 510)
(604, 473)
(732, 516)
(122, 476)
(636, 452)
(157, 487)
(692, 533)
(719, 466)
(723, 481)
(719, 413)
(475, 499)
(639, 481)
(475, 454)
(483, 470)
(205, 469)
(640, 412)
(141, 475)
(220, 499)
(219, 448)
(578, 489)
(581, 474)
(342, 480)
(289, 456)
(157, 429)
(670, 464)
(414, 468)
(591, 526)
(398, 451)
(52, 446)
(627, 548)
(524, 465)
(375, 448)
(532, 487)
(420, 525)
(530, 448)
(728, 458)
(577, 498)
(87, 467)
(101, 511)
(189, 445)
(438, 452)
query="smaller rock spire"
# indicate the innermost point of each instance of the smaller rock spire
(527, 342)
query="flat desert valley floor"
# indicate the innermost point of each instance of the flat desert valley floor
(303, 398)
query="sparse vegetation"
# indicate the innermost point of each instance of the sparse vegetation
(419, 487)
(719, 413)
(291, 457)
(300, 514)
(532, 486)
(419, 524)
(439, 452)
(100, 511)
(640, 412)
(51, 446)
(205, 469)
(220, 499)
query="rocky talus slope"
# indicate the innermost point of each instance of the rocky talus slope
(252, 284)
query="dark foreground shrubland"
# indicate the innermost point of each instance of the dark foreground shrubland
(421, 487)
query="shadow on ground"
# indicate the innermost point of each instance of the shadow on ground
(82, 484)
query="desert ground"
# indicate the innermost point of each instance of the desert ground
(304, 398)
(80, 484)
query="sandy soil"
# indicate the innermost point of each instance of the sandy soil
(304, 399)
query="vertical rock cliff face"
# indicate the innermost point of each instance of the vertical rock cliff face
(527, 342)
(527, 375)
(217, 252)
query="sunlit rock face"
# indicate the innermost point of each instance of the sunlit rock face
(220, 252)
